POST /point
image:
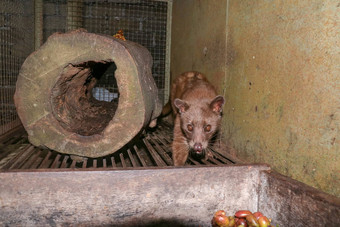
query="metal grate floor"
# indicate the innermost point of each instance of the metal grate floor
(152, 149)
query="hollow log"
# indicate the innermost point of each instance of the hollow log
(54, 94)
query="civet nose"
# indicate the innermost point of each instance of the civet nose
(198, 147)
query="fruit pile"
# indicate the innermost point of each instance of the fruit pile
(242, 218)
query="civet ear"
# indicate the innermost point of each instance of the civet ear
(181, 105)
(217, 104)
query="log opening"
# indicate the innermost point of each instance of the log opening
(73, 103)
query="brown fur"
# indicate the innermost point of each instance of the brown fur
(197, 109)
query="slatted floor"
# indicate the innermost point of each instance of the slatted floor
(151, 149)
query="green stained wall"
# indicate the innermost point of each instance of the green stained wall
(278, 65)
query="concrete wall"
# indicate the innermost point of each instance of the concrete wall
(277, 64)
(198, 38)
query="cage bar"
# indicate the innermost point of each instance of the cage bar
(143, 152)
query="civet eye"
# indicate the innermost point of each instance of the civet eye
(190, 127)
(207, 128)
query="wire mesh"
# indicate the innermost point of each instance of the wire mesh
(54, 17)
(142, 21)
(16, 43)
